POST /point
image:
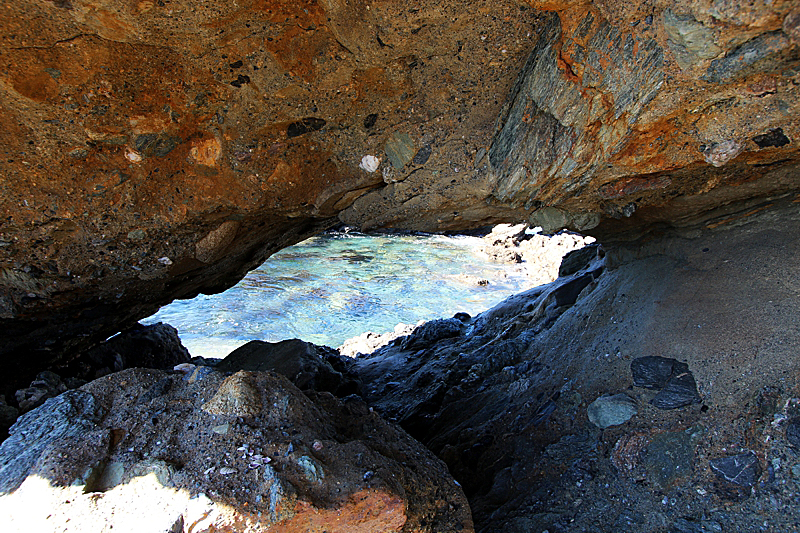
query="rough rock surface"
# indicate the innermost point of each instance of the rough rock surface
(150, 450)
(154, 150)
(507, 403)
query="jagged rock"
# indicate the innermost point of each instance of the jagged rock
(72, 414)
(672, 378)
(578, 259)
(153, 346)
(46, 385)
(111, 455)
(306, 365)
(432, 331)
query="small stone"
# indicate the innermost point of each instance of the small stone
(306, 125)
(423, 155)
(370, 120)
(166, 261)
(793, 431)
(136, 235)
(227, 470)
(720, 153)
(613, 410)
(743, 469)
(773, 138)
(652, 372)
(679, 392)
(399, 149)
(221, 429)
(370, 163)
(312, 471)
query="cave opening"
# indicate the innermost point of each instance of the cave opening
(345, 286)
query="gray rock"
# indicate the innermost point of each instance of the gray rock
(689, 40)
(670, 456)
(399, 149)
(674, 380)
(46, 385)
(433, 331)
(793, 432)
(751, 52)
(743, 469)
(69, 415)
(613, 410)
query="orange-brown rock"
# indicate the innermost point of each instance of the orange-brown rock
(156, 149)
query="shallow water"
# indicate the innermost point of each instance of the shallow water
(336, 286)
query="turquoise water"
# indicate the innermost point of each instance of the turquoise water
(336, 286)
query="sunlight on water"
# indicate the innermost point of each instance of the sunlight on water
(336, 286)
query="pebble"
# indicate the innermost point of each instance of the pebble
(370, 163)
(743, 469)
(793, 432)
(613, 410)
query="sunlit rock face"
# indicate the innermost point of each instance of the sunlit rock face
(152, 150)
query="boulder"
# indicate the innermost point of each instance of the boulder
(306, 365)
(146, 449)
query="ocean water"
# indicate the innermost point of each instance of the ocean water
(339, 285)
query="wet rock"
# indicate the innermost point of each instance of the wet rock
(607, 411)
(299, 463)
(671, 377)
(743, 469)
(306, 365)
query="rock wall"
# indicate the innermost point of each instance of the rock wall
(153, 150)
(639, 394)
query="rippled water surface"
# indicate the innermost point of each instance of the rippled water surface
(336, 286)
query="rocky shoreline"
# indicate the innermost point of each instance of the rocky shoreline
(616, 398)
